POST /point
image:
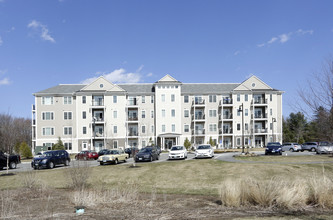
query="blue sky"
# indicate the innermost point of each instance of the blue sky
(44, 43)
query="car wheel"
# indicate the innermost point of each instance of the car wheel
(116, 162)
(51, 165)
(12, 165)
(291, 150)
(313, 149)
(67, 163)
(101, 163)
(158, 157)
(151, 158)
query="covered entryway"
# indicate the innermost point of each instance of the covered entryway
(166, 141)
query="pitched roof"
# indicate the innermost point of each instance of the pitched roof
(61, 89)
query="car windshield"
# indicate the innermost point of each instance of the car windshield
(145, 150)
(113, 152)
(273, 145)
(177, 148)
(204, 147)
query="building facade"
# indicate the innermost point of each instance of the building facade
(106, 115)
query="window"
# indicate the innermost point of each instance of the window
(271, 111)
(238, 127)
(84, 145)
(143, 129)
(152, 99)
(163, 98)
(212, 98)
(152, 113)
(246, 112)
(115, 99)
(238, 97)
(238, 141)
(143, 99)
(186, 99)
(67, 100)
(173, 113)
(163, 113)
(173, 128)
(246, 97)
(246, 126)
(143, 143)
(68, 146)
(238, 112)
(67, 130)
(115, 114)
(67, 115)
(115, 144)
(212, 127)
(47, 116)
(271, 126)
(84, 130)
(48, 131)
(246, 141)
(186, 113)
(212, 113)
(172, 97)
(84, 99)
(115, 129)
(186, 128)
(163, 128)
(270, 97)
(143, 114)
(84, 115)
(152, 129)
(47, 100)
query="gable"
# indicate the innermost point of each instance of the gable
(168, 79)
(100, 84)
(253, 83)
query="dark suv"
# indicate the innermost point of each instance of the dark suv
(50, 159)
(273, 148)
(147, 154)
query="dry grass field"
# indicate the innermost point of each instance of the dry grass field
(192, 189)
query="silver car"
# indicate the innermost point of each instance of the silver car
(310, 146)
(291, 147)
(324, 147)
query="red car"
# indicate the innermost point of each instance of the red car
(87, 155)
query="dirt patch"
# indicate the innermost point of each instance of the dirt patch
(44, 203)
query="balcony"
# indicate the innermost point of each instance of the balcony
(226, 101)
(226, 117)
(198, 132)
(198, 103)
(260, 116)
(132, 119)
(260, 130)
(260, 101)
(99, 134)
(132, 103)
(133, 134)
(226, 131)
(97, 103)
(198, 117)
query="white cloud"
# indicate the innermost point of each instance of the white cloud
(117, 76)
(4, 81)
(283, 38)
(149, 75)
(1, 41)
(41, 29)
(139, 69)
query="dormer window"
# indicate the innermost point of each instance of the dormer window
(101, 85)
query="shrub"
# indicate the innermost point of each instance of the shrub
(78, 175)
(59, 145)
(25, 150)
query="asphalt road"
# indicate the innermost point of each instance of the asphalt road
(228, 157)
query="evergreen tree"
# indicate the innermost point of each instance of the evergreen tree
(187, 144)
(25, 150)
(59, 145)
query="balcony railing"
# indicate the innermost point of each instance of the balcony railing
(98, 103)
(228, 116)
(132, 102)
(198, 102)
(259, 101)
(99, 134)
(259, 116)
(132, 119)
(133, 134)
(260, 130)
(198, 132)
(198, 117)
(226, 101)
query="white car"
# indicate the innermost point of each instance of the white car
(177, 152)
(204, 150)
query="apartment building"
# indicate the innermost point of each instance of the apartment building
(106, 115)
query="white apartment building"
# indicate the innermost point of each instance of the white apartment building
(106, 115)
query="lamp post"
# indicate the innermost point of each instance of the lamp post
(273, 120)
(241, 109)
(94, 121)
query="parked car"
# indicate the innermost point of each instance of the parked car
(147, 154)
(273, 148)
(12, 160)
(113, 156)
(87, 155)
(291, 147)
(131, 151)
(177, 152)
(204, 150)
(325, 147)
(50, 159)
(310, 146)
(102, 152)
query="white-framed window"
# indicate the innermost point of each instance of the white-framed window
(84, 130)
(212, 98)
(115, 99)
(152, 129)
(212, 127)
(163, 128)
(115, 114)
(48, 131)
(163, 97)
(185, 98)
(246, 112)
(246, 141)
(84, 145)
(186, 128)
(238, 141)
(47, 100)
(68, 146)
(270, 97)
(115, 129)
(84, 99)
(67, 115)
(163, 113)
(67, 130)
(84, 115)
(67, 100)
(143, 143)
(152, 114)
(46, 116)
(115, 144)
(172, 97)
(246, 97)
(152, 99)
(246, 127)
(271, 111)
(173, 113)
(238, 97)
(143, 99)
(271, 126)
(238, 127)
(186, 113)
(143, 129)
(212, 113)
(143, 114)
(173, 128)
